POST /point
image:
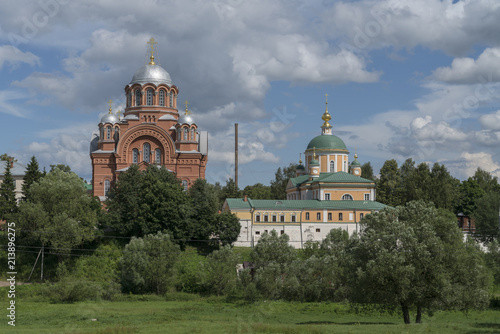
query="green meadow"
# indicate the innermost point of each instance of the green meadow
(188, 313)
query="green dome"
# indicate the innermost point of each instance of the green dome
(327, 142)
(355, 163)
(314, 162)
(301, 167)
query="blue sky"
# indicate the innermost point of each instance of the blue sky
(405, 79)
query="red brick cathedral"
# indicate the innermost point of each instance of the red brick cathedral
(151, 131)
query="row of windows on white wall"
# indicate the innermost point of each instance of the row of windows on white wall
(184, 134)
(308, 217)
(330, 216)
(274, 218)
(150, 98)
(146, 154)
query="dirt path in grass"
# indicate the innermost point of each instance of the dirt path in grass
(6, 283)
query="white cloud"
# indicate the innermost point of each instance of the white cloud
(439, 25)
(11, 55)
(467, 164)
(490, 121)
(8, 106)
(467, 70)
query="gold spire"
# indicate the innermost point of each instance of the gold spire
(314, 153)
(152, 43)
(300, 158)
(110, 109)
(326, 116)
(355, 154)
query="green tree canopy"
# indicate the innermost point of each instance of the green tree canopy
(367, 171)
(258, 191)
(147, 263)
(389, 186)
(60, 213)
(281, 177)
(414, 257)
(147, 202)
(486, 217)
(32, 175)
(8, 203)
(469, 193)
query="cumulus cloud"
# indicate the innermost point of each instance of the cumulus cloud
(486, 68)
(451, 26)
(490, 121)
(467, 164)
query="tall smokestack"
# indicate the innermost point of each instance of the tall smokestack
(236, 155)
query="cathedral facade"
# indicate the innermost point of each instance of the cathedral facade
(328, 192)
(151, 131)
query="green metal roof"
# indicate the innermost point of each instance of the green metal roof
(328, 142)
(338, 177)
(263, 204)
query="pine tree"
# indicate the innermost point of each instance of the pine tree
(31, 176)
(8, 204)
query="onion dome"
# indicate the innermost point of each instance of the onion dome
(109, 117)
(314, 161)
(300, 166)
(187, 118)
(154, 74)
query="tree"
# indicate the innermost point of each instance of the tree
(281, 177)
(389, 186)
(414, 257)
(31, 176)
(60, 213)
(206, 222)
(205, 204)
(258, 191)
(62, 167)
(486, 181)
(367, 171)
(470, 192)
(147, 202)
(8, 203)
(443, 188)
(218, 275)
(148, 262)
(230, 190)
(486, 217)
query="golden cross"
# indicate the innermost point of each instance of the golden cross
(326, 96)
(152, 43)
(186, 110)
(110, 109)
(119, 113)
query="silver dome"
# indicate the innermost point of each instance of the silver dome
(109, 118)
(185, 119)
(154, 74)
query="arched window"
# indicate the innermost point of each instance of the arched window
(117, 133)
(158, 156)
(107, 187)
(192, 134)
(135, 156)
(149, 99)
(129, 100)
(179, 133)
(171, 99)
(185, 185)
(146, 152)
(347, 197)
(138, 97)
(101, 133)
(162, 98)
(108, 132)
(185, 133)
(332, 166)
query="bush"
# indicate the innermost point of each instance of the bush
(218, 274)
(68, 290)
(147, 264)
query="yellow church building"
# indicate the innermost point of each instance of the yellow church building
(326, 193)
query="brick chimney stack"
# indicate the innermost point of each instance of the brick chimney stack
(245, 199)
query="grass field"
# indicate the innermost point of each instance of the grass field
(183, 313)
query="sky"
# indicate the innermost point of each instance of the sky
(405, 79)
